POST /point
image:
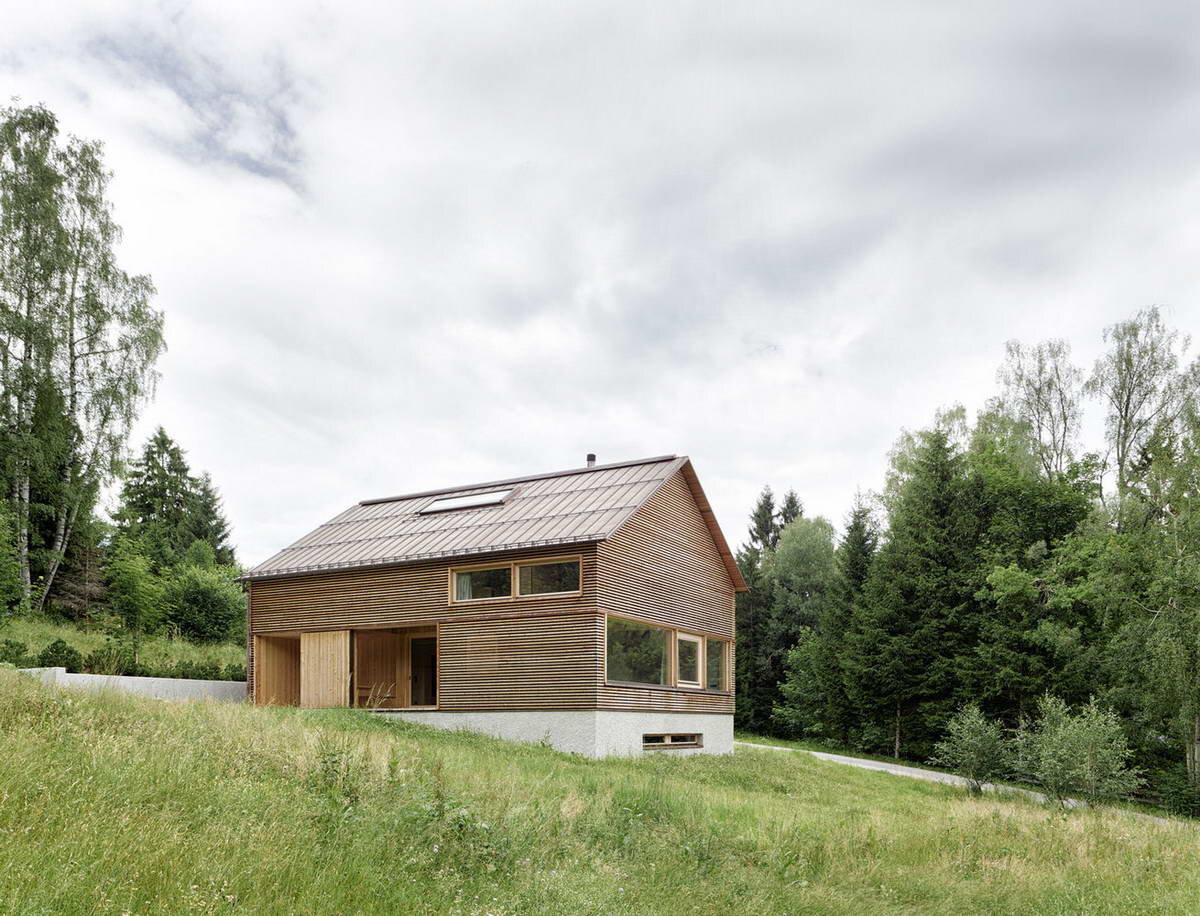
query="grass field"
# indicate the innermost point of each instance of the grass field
(117, 804)
(155, 651)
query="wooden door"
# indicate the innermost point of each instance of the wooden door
(325, 669)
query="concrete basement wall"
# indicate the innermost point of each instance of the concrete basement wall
(160, 688)
(590, 732)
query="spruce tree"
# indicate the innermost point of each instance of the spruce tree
(764, 526)
(909, 627)
(790, 510)
(164, 508)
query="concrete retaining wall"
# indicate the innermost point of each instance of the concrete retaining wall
(161, 688)
(593, 733)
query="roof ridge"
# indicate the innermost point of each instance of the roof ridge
(520, 496)
(515, 480)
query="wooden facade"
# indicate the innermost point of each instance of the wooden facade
(662, 566)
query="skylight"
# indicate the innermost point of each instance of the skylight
(446, 503)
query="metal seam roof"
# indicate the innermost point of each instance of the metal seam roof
(556, 508)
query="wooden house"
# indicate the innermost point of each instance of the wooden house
(591, 608)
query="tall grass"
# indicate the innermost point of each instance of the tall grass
(154, 651)
(112, 803)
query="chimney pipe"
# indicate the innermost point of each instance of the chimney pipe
(591, 459)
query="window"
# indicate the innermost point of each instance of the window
(550, 578)
(687, 660)
(446, 503)
(714, 652)
(660, 742)
(637, 652)
(483, 584)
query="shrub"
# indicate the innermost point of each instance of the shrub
(974, 748)
(134, 591)
(16, 654)
(205, 604)
(1083, 754)
(59, 655)
(111, 658)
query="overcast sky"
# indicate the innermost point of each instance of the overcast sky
(403, 247)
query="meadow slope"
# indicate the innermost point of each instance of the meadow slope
(118, 804)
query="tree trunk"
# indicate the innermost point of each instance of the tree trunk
(1192, 751)
(896, 745)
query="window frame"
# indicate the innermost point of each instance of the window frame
(673, 634)
(478, 567)
(518, 565)
(699, 642)
(724, 650)
(514, 567)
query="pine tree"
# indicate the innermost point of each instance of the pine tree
(164, 508)
(908, 628)
(764, 526)
(208, 520)
(790, 510)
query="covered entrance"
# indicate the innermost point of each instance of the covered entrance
(380, 669)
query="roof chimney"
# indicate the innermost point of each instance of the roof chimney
(591, 459)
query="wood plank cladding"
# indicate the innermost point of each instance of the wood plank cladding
(278, 682)
(398, 595)
(650, 699)
(325, 669)
(662, 567)
(520, 663)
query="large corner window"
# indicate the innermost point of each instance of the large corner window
(643, 653)
(714, 653)
(471, 501)
(687, 660)
(483, 584)
(552, 577)
(637, 652)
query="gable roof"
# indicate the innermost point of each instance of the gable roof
(575, 506)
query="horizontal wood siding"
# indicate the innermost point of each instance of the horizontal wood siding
(398, 596)
(648, 699)
(520, 663)
(662, 567)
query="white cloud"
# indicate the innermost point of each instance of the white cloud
(400, 247)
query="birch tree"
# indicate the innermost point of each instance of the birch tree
(1144, 385)
(70, 318)
(1043, 388)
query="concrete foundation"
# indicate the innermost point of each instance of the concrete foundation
(161, 688)
(591, 732)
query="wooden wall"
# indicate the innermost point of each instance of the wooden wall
(662, 567)
(389, 596)
(278, 683)
(520, 663)
(325, 669)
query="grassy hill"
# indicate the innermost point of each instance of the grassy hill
(156, 651)
(117, 804)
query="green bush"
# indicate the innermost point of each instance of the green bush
(16, 654)
(111, 658)
(204, 603)
(974, 748)
(1083, 754)
(59, 655)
